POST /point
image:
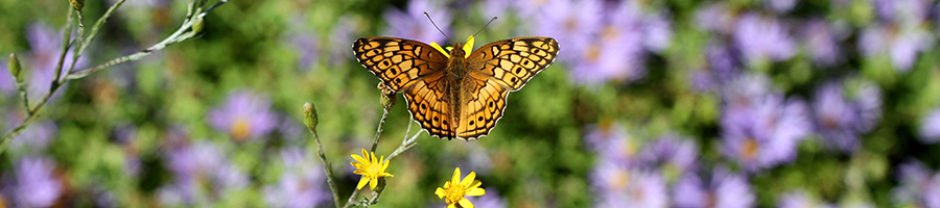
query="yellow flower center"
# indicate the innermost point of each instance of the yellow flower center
(750, 149)
(454, 193)
(241, 129)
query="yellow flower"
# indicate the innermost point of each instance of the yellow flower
(370, 168)
(454, 190)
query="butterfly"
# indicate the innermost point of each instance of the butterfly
(456, 94)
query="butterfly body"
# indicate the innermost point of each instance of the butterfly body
(455, 94)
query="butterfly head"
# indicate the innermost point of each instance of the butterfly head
(466, 48)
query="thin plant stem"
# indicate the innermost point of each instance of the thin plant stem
(378, 131)
(327, 167)
(32, 112)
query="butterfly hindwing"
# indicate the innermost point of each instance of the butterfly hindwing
(398, 62)
(426, 100)
(482, 107)
(514, 61)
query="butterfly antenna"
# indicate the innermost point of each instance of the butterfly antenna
(435, 25)
(484, 26)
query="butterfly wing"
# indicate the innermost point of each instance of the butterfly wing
(495, 70)
(415, 69)
(514, 62)
(398, 62)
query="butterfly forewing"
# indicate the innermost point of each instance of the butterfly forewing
(398, 62)
(514, 61)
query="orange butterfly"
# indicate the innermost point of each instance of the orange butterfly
(457, 94)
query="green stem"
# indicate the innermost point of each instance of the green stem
(378, 132)
(327, 167)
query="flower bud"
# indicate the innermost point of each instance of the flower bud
(387, 98)
(198, 24)
(15, 68)
(310, 115)
(77, 4)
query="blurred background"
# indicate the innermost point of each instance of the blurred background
(677, 103)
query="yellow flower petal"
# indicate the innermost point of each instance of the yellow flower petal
(374, 182)
(465, 203)
(469, 179)
(358, 158)
(468, 47)
(456, 178)
(451, 206)
(362, 182)
(475, 192)
(439, 192)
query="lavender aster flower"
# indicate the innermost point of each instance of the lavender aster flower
(821, 41)
(490, 199)
(7, 83)
(918, 187)
(612, 142)
(35, 138)
(574, 24)
(800, 199)
(675, 155)
(760, 128)
(781, 6)
(195, 165)
(715, 17)
(901, 44)
(841, 118)
(244, 116)
(902, 12)
(46, 45)
(301, 183)
(762, 38)
(35, 183)
(343, 33)
(412, 24)
(619, 186)
(303, 41)
(724, 189)
(616, 51)
(930, 127)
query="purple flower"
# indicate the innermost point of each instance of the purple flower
(303, 41)
(45, 45)
(781, 6)
(412, 24)
(613, 50)
(724, 189)
(490, 199)
(35, 138)
(762, 38)
(902, 12)
(341, 37)
(715, 17)
(7, 82)
(498, 8)
(822, 42)
(612, 142)
(840, 118)
(917, 187)
(195, 165)
(575, 25)
(675, 155)
(301, 184)
(930, 127)
(35, 183)
(244, 116)
(800, 199)
(901, 44)
(761, 129)
(620, 186)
